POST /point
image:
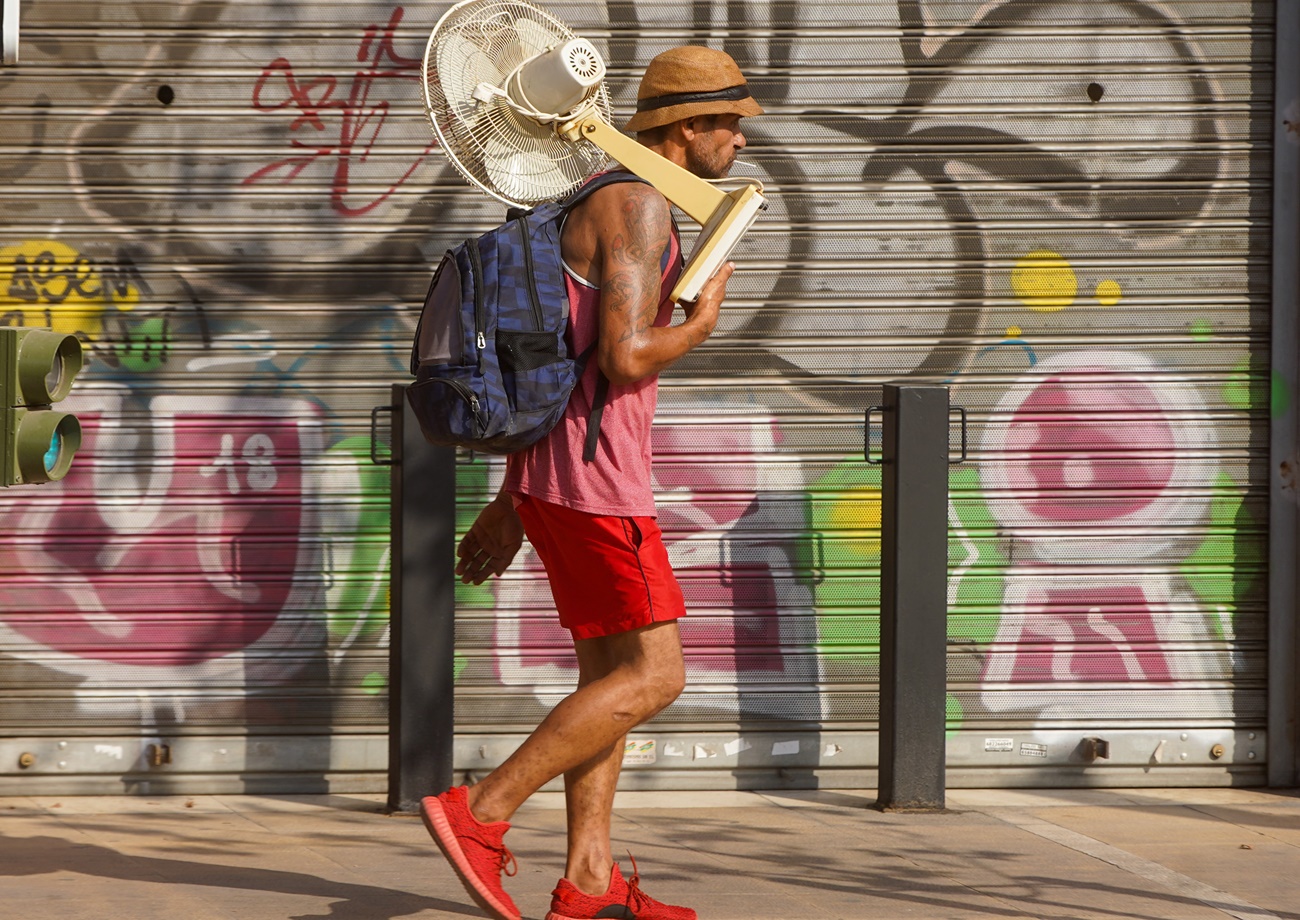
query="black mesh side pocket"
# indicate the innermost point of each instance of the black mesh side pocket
(527, 351)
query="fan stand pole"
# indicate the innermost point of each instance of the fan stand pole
(688, 191)
(725, 216)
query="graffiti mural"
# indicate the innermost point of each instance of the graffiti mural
(225, 492)
(239, 231)
(317, 103)
(1094, 439)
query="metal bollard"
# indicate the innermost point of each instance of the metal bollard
(421, 718)
(913, 594)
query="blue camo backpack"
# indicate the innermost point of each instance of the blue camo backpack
(492, 370)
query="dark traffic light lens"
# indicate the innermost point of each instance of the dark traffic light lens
(54, 379)
(47, 362)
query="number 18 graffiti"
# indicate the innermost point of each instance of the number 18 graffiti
(258, 453)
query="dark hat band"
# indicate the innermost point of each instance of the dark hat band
(730, 94)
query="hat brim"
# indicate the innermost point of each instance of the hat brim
(653, 118)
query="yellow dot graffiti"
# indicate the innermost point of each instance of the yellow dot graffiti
(1043, 280)
(1109, 293)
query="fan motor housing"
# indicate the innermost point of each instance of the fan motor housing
(557, 80)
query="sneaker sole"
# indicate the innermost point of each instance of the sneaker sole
(435, 821)
(552, 915)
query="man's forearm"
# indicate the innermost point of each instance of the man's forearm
(652, 350)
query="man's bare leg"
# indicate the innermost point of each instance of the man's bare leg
(645, 673)
(589, 792)
(589, 803)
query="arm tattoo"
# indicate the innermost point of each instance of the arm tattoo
(631, 274)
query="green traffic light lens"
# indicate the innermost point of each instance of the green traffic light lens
(63, 444)
(52, 455)
(46, 442)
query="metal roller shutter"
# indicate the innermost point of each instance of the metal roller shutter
(1060, 209)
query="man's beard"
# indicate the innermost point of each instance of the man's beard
(716, 167)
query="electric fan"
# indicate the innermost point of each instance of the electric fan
(517, 103)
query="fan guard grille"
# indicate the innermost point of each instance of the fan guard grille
(510, 156)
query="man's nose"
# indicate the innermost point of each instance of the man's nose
(739, 142)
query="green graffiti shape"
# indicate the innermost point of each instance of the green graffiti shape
(357, 600)
(145, 345)
(845, 518)
(1228, 566)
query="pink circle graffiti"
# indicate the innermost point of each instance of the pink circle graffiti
(200, 563)
(1094, 445)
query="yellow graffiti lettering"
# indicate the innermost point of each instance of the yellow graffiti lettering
(46, 283)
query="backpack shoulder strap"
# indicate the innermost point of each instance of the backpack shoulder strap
(597, 403)
(613, 177)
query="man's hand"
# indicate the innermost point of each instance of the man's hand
(702, 316)
(491, 543)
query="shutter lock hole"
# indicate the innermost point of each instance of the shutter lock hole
(166, 95)
(1096, 91)
(26, 760)
(1217, 751)
(1094, 748)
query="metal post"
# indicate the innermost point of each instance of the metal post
(1284, 466)
(913, 597)
(422, 639)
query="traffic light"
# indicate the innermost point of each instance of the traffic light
(36, 370)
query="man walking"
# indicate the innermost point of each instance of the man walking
(593, 524)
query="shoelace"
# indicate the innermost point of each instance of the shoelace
(506, 861)
(636, 898)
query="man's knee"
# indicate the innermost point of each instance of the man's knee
(675, 681)
(656, 686)
(667, 683)
(652, 661)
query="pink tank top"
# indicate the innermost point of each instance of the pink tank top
(617, 482)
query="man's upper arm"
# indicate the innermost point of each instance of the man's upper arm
(634, 229)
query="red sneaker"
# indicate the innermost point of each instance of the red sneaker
(474, 849)
(623, 901)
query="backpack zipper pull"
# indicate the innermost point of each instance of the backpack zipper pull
(480, 343)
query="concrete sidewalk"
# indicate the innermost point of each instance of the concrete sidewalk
(1191, 854)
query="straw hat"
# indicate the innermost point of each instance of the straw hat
(688, 81)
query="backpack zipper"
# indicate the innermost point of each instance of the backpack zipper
(476, 263)
(532, 274)
(466, 394)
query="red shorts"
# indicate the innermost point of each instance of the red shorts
(608, 574)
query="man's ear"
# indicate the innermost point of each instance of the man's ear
(689, 127)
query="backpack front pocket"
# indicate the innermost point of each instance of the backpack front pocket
(448, 410)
